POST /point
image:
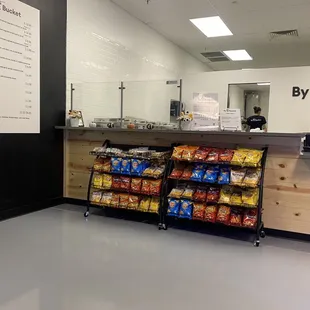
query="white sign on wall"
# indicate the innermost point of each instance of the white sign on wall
(19, 68)
(231, 120)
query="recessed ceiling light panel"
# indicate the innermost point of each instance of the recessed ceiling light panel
(237, 55)
(212, 26)
(264, 84)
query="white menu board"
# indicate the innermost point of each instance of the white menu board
(231, 120)
(19, 68)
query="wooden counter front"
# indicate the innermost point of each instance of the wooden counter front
(287, 176)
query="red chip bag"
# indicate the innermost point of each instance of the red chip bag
(199, 211)
(250, 218)
(187, 173)
(176, 173)
(136, 184)
(210, 214)
(235, 217)
(145, 188)
(200, 195)
(125, 183)
(155, 187)
(223, 214)
(213, 194)
(201, 154)
(213, 156)
(226, 156)
(116, 182)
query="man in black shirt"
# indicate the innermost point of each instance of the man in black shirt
(257, 121)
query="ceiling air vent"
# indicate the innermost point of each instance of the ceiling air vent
(283, 33)
(215, 56)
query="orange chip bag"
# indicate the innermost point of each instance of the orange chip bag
(199, 211)
(223, 214)
(136, 185)
(123, 200)
(189, 153)
(177, 152)
(210, 214)
(114, 200)
(155, 187)
(145, 188)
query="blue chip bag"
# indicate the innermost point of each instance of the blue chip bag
(224, 176)
(186, 209)
(137, 167)
(211, 174)
(197, 175)
(173, 207)
(116, 164)
(126, 166)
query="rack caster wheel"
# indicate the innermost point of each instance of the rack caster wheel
(162, 226)
(86, 214)
(256, 243)
(262, 234)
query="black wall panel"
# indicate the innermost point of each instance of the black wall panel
(31, 171)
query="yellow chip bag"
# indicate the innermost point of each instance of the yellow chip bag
(253, 158)
(236, 199)
(154, 206)
(239, 157)
(145, 204)
(225, 194)
(176, 193)
(252, 177)
(106, 181)
(106, 198)
(250, 197)
(96, 197)
(133, 202)
(97, 180)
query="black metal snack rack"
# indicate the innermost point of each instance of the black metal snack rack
(142, 166)
(256, 229)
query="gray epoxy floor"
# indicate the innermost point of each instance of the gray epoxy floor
(55, 260)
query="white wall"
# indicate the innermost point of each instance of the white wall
(286, 113)
(236, 98)
(106, 44)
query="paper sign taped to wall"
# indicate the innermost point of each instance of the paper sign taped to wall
(207, 104)
(231, 120)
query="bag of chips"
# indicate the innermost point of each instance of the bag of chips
(200, 195)
(149, 172)
(253, 158)
(235, 217)
(210, 214)
(116, 164)
(154, 206)
(187, 173)
(97, 180)
(239, 157)
(145, 204)
(201, 154)
(137, 167)
(199, 211)
(145, 188)
(211, 174)
(96, 197)
(236, 198)
(115, 200)
(123, 200)
(173, 207)
(125, 183)
(252, 177)
(197, 175)
(237, 175)
(250, 218)
(213, 156)
(116, 182)
(177, 152)
(250, 197)
(186, 209)
(159, 171)
(176, 173)
(176, 193)
(98, 164)
(106, 166)
(226, 156)
(213, 194)
(224, 176)
(225, 195)
(188, 193)
(126, 166)
(155, 187)
(223, 215)
(106, 181)
(189, 153)
(136, 185)
(133, 202)
(106, 198)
